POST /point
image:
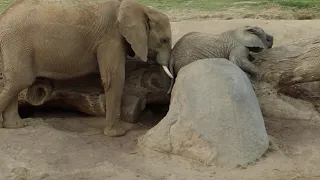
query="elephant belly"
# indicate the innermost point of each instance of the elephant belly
(66, 72)
(65, 66)
(64, 54)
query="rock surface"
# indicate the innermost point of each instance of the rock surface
(214, 117)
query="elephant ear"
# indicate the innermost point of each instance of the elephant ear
(252, 37)
(133, 23)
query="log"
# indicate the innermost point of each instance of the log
(85, 94)
(288, 86)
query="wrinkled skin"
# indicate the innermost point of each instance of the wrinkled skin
(233, 45)
(63, 40)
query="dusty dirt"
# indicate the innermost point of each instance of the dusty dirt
(70, 146)
(242, 13)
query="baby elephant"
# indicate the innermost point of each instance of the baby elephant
(234, 45)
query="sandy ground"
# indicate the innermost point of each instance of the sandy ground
(70, 146)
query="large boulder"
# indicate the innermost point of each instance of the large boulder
(214, 116)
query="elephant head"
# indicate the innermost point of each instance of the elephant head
(254, 38)
(146, 30)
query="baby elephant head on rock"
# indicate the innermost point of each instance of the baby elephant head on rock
(147, 31)
(253, 37)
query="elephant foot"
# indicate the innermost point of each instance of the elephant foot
(14, 123)
(119, 129)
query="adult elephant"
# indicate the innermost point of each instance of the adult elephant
(63, 40)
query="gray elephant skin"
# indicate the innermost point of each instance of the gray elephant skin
(63, 40)
(233, 45)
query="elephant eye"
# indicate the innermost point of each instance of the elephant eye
(164, 40)
(253, 31)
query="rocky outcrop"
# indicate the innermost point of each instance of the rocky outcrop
(214, 116)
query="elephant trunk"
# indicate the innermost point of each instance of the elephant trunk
(163, 58)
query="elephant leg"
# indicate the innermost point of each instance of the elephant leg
(114, 126)
(239, 56)
(17, 75)
(5, 100)
(247, 66)
(113, 77)
(9, 107)
(11, 115)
